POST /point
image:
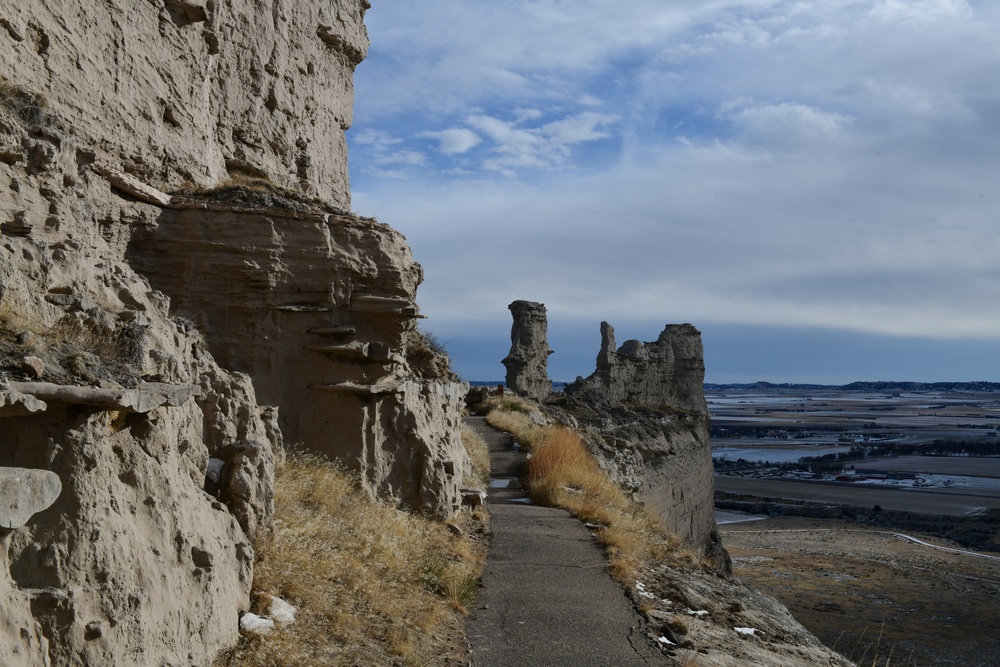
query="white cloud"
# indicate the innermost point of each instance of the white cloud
(409, 158)
(373, 137)
(921, 11)
(779, 162)
(780, 122)
(587, 126)
(454, 140)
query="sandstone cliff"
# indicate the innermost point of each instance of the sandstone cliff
(197, 90)
(154, 400)
(644, 413)
(318, 308)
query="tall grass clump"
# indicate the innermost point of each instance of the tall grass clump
(561, 472)
(518, 417)
(374, 585)
(479, 454)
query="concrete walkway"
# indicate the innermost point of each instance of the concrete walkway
(547, 597)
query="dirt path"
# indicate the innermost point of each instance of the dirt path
(547, 597)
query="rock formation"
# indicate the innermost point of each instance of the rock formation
(669, 371)
(527, 372)
(644, 413)
(195, 90)
(164, 438)
(318, 308)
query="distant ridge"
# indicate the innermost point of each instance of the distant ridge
(880, 385)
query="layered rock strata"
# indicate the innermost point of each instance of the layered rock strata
(668, 371)
(527, 362)
(318, 308)
(125, 406)
(644, 413)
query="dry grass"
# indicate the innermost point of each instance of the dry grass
(374, 585)
(479, 454)
(514, 415)
(74, 348)
(28, 105)
(562, 473)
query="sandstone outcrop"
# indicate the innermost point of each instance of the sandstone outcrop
(668, 371)
(644, 414)
(527, 362)
(194, 90)
(125, 127)
(319, 308)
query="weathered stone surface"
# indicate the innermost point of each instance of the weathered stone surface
(252, 624)
(24, 493)
(644, 414)
(195, 91)
(33, 367)
(667, 371)
(319, 310)
(527, 362)
(145, 397)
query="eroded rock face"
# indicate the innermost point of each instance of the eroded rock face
(644, 413)
(668, 371)
(104, 106)
(527, 363)
(195, 90)
(319, 309)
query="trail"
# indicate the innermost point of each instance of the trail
(547, 599)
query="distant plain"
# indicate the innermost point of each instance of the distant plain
(858, 587)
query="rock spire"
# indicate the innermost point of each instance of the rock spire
(527, 372)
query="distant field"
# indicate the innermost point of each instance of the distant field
(854, 587)
(927, 502)
(936, 465)
(915, 416)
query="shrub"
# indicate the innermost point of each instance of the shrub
(29, 106)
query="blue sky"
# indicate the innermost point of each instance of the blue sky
(814, 185)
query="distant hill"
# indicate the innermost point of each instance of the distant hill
(880, 385)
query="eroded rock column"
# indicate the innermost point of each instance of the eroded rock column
(527, 363)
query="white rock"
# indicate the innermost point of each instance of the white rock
(281, 611)
(256, 625)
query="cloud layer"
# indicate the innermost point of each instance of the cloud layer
(799, 164)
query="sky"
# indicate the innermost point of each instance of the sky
(815, 185)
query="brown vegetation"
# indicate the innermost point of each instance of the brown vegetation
(562, 473)
(870, 595)
(374, 585)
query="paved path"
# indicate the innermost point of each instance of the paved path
(547, 598)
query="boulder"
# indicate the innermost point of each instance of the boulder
(25, 492)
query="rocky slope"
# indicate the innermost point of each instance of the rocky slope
(181, 291)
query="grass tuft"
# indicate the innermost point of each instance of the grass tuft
(563, 473)
(29, 106)
(479, 455)
(374, 585)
